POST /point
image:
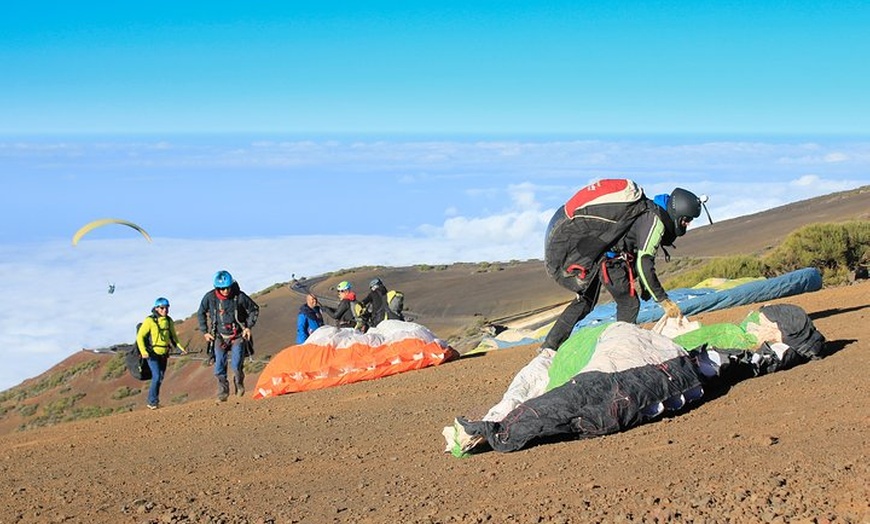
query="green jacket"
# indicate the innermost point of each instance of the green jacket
(157, 336)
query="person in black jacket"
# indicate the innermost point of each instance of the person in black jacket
(226, 315)
(376, 302)
(344, 313)
(650, 226)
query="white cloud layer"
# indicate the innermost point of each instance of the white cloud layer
(490, 200)
(61, 303)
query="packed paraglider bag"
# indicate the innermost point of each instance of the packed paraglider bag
(137, 365)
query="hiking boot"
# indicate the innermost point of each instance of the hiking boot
(223, 389)
(153, 406)
(240, 391)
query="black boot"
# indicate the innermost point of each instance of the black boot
(223, 389)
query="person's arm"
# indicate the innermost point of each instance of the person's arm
(650, 230)
(144, 330)
(331, 311)
(174, 336)
(201, 313)
(252, 310)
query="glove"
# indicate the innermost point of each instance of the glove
(672, 310)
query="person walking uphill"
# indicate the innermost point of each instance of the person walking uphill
(310, 318)
(155, 337)
(226, 315)
(614, 216)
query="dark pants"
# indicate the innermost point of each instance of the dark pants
(573, 313)
(618, 284)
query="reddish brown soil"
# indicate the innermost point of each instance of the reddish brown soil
(788, 447)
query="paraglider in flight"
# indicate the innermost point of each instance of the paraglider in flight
(111, 288)
(105, 221)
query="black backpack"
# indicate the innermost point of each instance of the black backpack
(137, 365)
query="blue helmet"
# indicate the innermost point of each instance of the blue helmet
(223, 279)
(344, 285)
(375, 283)
(161, 302)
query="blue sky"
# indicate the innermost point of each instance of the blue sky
(436, 67)
(307, 137)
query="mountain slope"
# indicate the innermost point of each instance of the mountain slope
(453, 301)
(788, 447)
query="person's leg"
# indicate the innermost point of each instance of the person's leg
(220, 370)
(618, 285)
(238, 364)
(573, 313)
(164, 361)
(156, 379)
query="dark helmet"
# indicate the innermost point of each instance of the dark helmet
(223, 279)
(683, 205)
(376, 282)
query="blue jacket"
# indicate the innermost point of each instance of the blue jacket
(309, 319)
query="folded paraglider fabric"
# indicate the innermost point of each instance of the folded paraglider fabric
(610, 378)
(333, 356)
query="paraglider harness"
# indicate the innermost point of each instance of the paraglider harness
(396, 303)
(616, 258)
(361, 317)
(226, 340)
(613, 257)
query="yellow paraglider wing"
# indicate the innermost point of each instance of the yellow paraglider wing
(105, 221)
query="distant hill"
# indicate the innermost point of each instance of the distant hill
(454, 301)
(759, 232)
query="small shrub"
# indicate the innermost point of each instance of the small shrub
(57, 379)
(84, 412)
(835, 249)
(178, 399)
(115, 368)
(177, 363)
(739, 266)
(124, 392)
(27, 410)
(254, 366)
(57, 408)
